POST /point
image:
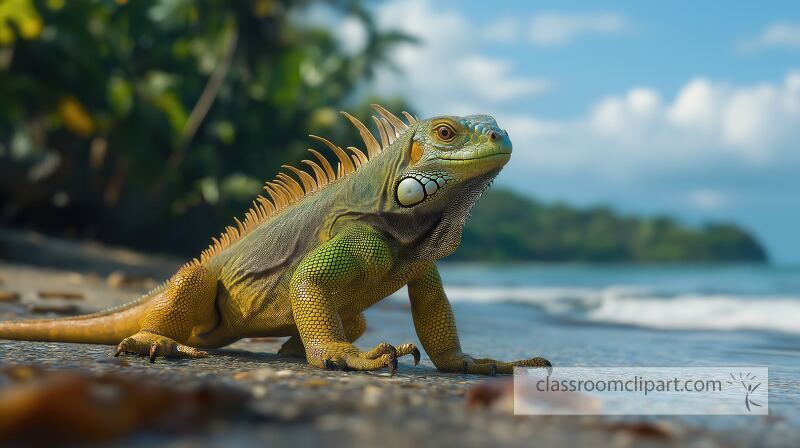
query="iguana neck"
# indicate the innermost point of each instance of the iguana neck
(422, 233)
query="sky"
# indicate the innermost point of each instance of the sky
(685, 108)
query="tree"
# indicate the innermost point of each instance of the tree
(152, 123)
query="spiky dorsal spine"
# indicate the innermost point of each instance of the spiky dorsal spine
(285, 190)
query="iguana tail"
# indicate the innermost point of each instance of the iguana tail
(105, 327)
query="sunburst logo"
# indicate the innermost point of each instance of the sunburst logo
(748, 382)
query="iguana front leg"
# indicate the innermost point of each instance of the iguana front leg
(320, 291)
(436, 328)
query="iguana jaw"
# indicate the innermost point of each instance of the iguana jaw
(476, 165)
(479, 160)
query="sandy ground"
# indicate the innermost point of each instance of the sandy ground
(245, 394)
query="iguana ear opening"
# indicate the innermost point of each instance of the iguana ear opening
(416, 151)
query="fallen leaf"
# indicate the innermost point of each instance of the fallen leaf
(39, 407)
(57, 294)
(9, 296)
(40, 308)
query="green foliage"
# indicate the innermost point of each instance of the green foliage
(508, 227)
(155, 122)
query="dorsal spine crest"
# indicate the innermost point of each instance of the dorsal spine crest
(285, 190)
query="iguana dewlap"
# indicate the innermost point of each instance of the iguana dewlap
(327, 243)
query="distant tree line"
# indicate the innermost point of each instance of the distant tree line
(508, 227)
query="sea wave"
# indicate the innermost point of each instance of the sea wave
(633, 305)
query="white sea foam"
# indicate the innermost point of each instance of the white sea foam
(638, 306)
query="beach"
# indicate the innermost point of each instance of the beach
(246, 394)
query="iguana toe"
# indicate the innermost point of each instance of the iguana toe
(409, 349)
(381, 349)
(153, 352)
(385, 348)
(536, 362)
(488, 366)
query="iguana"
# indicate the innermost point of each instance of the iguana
(326, 245)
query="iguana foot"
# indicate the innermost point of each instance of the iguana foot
(492, 367)
(488, 366)
(339, 356)
(155, 345)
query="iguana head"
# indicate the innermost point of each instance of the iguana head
(437, 170)
(447, 158)
(422, 179)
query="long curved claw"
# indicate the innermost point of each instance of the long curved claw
(547, 365)
(330, 365)
(153, 353)
(415, 353)
(119, 351)
(392, 366)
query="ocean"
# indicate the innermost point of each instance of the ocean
(648, 316)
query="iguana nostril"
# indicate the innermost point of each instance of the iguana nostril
(492, 136)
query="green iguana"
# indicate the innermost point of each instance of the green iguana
(309, 260)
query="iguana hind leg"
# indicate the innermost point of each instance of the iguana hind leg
(185, 310)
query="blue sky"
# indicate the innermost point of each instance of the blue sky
(686, 108)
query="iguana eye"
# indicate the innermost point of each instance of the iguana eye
(445, 133)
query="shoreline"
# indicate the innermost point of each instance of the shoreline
(245, 394)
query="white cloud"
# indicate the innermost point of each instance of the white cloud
(774, 35)
(351, 34)
(492, 81)
(504, 30)
(552, 29)
(695, 105)
(708, 200)
(446, 71)
(623, 117)
(348, 30)
(638, 133)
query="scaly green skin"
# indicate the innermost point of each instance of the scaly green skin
(311, 269)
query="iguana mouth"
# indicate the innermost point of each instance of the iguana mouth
(497, 155)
